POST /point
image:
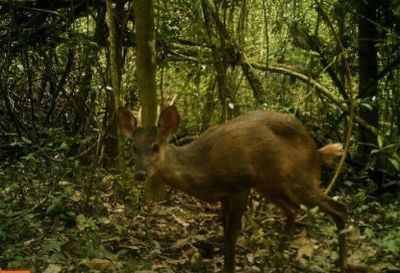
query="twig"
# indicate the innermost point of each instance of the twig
(349, 86)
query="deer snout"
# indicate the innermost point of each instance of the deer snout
(140, 169)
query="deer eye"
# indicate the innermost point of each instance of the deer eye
(155, 148)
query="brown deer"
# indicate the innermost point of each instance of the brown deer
(269, 151)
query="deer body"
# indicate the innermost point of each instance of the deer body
(213, 167)
(268, 151)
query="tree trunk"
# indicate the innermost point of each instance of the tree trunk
(368, 71)
(146, 60)
(368, 85)
(146, 78)
(112, 147)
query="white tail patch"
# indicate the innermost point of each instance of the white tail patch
(330, 152)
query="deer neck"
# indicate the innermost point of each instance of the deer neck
(182, 168)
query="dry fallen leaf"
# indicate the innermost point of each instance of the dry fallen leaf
(300, 241)
(250, 258)
(196, 257)
(181, 242)
(29, 242)
(102, 265)
(305, 251)
(53, 268)
(288, 270)
(180, 220)
(304, 246)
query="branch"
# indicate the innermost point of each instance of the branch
(287, 70)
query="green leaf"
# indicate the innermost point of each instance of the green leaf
(64, 146)
(369, 233)
(27, 141)
(366, 105)
(395, 163)
(29, 157)
(56, 258)
(53, 245)
(20, 67)
(380, 141)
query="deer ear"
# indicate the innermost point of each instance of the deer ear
(169, 120)
(126, 121)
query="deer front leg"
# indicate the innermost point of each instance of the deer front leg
(233, 208)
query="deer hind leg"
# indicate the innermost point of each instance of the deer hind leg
(339, 214)
(311, 196)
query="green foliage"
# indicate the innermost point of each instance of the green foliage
(390, 243)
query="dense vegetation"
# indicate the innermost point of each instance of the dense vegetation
(68, 201)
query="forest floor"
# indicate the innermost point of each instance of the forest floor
(57, 232)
